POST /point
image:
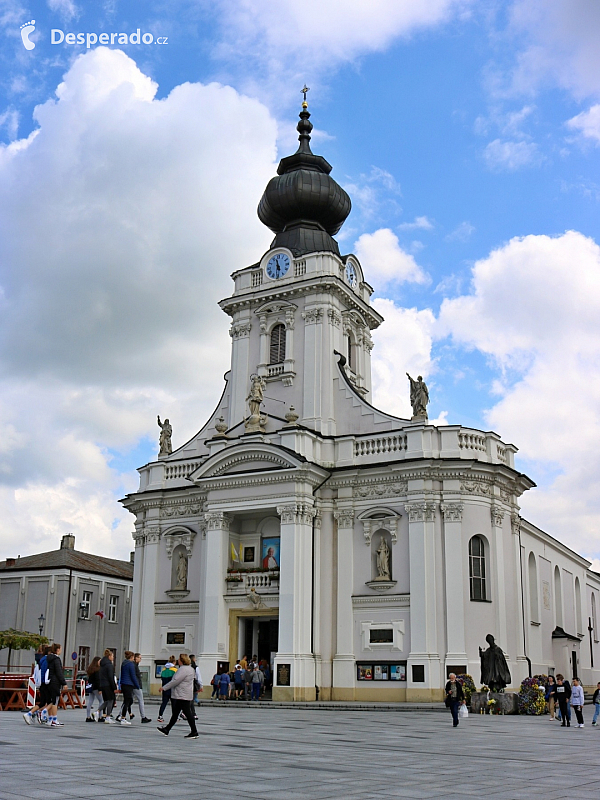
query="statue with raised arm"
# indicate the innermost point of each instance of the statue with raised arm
(494, 669)
(164, 441)
(419, 396)
(182, 571)
(383, 561)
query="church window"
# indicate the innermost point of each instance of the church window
(578, 618)
(557, 598)
(277, 349)
(533, 590)
(349, 349)
(477, 568)
(594, 617)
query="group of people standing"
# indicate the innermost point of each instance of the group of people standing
(564, 697)
(247, 681)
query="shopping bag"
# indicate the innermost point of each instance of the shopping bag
(463, 712)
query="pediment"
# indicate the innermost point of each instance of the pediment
(245, 459)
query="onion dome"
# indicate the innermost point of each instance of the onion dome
(303, 205)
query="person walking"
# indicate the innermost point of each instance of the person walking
(166, 676)
(107, 686)
(238, 680)
(257, 682)
(563, 694)
(551, 696)
(455, 697)
(578, 701)
(596, 702)
(224, 684)
(129, 682)
(181, 688)
(139, 693)
(56, 684)
(93, 689)
(39, 711)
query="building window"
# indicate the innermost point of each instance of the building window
(277, 349)
(113, 604)
(83, 659)
(534, 614)
(558, 598)
(477, 568)
(594, 617)
(349, 350)
(85, 605)
(578, 615)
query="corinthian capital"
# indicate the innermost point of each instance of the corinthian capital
(452, 511)
(217, 521)
(345, 517)
(420, 512)
(296, 512)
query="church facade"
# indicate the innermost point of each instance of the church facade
(363, 556)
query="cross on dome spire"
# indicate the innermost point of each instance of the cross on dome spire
(304, 91)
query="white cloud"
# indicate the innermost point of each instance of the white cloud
(587, 123)
(116, 244)
(461, 233)
(419, 223)
(281, 37)
(402, 344)
(385, 262)
(534, 308)
(511, 155)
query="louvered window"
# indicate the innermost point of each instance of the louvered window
(277, 351)
(349, 347)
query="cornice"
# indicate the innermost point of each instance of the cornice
(395, 600)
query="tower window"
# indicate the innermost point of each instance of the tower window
(277, 349)
(349, 349)
(477, 568)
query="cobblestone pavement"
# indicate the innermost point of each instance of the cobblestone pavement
(288, 753)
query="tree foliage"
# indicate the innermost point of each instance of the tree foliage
(20, 640)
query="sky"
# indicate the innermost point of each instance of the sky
(467, 135)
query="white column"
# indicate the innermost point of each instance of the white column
(344, 659)
(522, 666)
(215, 624)
(295, 602)
(325, 600)
(240, 372)
(148, 593)
(423, 612)
(497, 515)
(136, 600)
(455, 583)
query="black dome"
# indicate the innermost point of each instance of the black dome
(303, 205)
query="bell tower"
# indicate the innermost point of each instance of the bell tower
(303, 304)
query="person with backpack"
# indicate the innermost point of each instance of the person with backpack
(56, 684)
(129, 682)
(108, 685)
(93, 689)
(39, 674)
(166, 676)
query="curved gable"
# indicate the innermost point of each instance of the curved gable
(246, 458)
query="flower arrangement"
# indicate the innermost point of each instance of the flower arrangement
(491, 704)
(484, 688)
(468, 685)
(532, 695)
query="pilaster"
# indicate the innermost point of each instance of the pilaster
(455, 583)
(148, 579)
(344, 659)
(213, 614)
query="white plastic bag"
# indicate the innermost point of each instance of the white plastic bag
(463, 712)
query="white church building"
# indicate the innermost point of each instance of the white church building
(364, 556)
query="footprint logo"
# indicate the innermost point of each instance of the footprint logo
(26, 29)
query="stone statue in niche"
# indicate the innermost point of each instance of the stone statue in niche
(419, 397)
(181, 572)
(383, 561)
(494, 669)
(164, 441)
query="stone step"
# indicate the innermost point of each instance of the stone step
(320, 706)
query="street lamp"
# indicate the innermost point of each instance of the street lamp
(41, 620)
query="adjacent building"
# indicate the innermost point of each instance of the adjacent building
(80, 600)
(363, 555)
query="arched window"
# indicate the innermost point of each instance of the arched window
(349, 349)
(477, 568)
(277, 349)
(594, 617)
(578, 618)
(533, 590)
(557, 598)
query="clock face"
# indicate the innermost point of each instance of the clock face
(278, 265)
(351, 274)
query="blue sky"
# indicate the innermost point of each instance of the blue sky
(467, 136)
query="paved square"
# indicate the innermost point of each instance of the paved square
(282, 754)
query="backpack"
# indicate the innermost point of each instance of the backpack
(37, 675)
